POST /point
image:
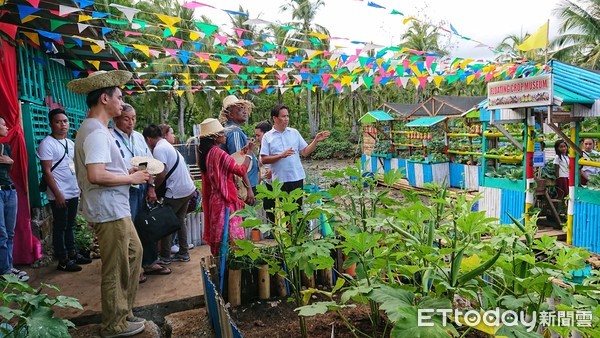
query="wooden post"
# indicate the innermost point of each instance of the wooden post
(234, 287)
(264, 282)
(280, 285)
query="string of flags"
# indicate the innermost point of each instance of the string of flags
(205, 57)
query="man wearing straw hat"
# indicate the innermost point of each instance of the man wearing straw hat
(104, 180)
(233, 115)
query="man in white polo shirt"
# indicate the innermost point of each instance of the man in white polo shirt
(282, 146)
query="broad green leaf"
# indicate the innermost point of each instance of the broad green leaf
(408, 326)
(42, 324)
(320, 308)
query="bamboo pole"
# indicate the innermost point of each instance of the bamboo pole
(234, 287)
(264, 282)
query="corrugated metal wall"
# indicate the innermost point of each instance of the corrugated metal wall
(513, 203)
(586, 226)
(490, 201)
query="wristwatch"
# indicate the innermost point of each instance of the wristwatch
(152, 185)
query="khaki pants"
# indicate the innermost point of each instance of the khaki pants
(179, 206)
(121, 253)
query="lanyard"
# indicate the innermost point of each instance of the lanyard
(124, 143)
(66, 145)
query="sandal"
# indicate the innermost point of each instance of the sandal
(143, 278)
(157, 270)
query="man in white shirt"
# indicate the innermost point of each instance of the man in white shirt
(282, 146)
(56, 153)
(180, 189)
(104, 180)
(131, 144)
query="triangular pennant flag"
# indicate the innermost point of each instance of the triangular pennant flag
(96, 64)
(142, 48)
(34, 3)
(214, 65)
(372, 4)
(54, 24)
(117, 22)
(106, 30)
(96, 49)
(11, 30)
(25, 11)
(114, 64)
(196, 35)
(78, 63)
(34, 37)
(170, 52)
(66, 10)
(395, 12)
(127, 11)
(99, 15)
(82, 26)
(221, 38)
(85, 3)
(437, 79)
(170, 21)
(138, 24)
(184, 56)
(206, 28)
(48, 35)
(236, 68)
(82, 18)
(29, 18)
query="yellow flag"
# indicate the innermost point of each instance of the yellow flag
(539, 39)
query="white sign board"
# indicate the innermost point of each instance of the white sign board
(528, 92)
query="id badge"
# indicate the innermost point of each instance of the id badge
(72, 166)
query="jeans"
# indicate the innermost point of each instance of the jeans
(137, 198)
(62, 227)
(8, 220)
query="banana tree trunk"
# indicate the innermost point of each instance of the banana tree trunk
(180, 124)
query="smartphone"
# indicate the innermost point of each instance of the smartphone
(142, 165)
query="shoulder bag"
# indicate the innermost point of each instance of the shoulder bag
(43, 185)
(161, 190)
(156, 221)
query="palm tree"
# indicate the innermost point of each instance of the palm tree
(422, 36)
(305, 11)
(579, 41)
(509, 47)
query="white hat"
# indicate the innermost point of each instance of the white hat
(154, 166)
(210, 127)
(98, 80)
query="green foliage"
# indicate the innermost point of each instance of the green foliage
(27, 312)
(84, 235)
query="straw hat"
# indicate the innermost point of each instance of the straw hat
(210, 127)
(232, 100)
(98, 80)
(154, 166)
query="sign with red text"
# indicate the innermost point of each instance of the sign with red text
(528, 92)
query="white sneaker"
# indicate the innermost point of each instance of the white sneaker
(132, 329)
(190, 246)
(175, 249)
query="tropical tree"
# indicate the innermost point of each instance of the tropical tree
(579, 39)
(511, 52)
(302, 35)
(424, 37)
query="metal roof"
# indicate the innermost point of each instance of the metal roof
(374, 116)
(444, 105)
(426, 121)
(399, 108)
(574, 84)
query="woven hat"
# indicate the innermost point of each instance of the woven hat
(210, 127)
(98, 80)
(232, 100)
(154, 166)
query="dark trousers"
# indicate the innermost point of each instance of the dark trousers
(288, 187)
(63, 223)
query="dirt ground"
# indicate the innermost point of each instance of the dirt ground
(276, 318)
